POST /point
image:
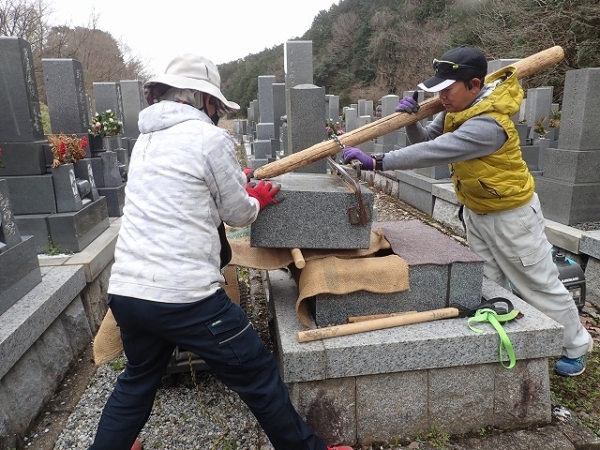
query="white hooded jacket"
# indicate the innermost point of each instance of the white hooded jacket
(183, 180)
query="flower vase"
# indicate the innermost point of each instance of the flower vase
(107, 143)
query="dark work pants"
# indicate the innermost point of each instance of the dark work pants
(219, 332)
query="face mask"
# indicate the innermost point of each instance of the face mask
(215, 118)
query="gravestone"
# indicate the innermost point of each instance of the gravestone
(298, 63)
(132, 92)
(65, 94)
(332, 107)
(19, 266)
(569, 188)
(39, 194)
(21, 134)
(110, 171)
(306, 122)
(278, 111)
(388, 141)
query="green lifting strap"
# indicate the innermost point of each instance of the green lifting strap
(505, 348)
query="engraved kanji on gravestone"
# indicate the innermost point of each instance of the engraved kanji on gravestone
(9, 232)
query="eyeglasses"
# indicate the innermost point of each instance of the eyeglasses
(447, 67)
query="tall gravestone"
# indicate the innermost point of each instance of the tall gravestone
(278, 111)
(19, 266)
(110, 171)
(132, 92)
(569, 188)
(262, 147)
(389, 141)
(298, 63)
(75, 185)
(47, 203)
(306, 122)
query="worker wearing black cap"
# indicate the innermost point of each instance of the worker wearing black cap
(476, 136)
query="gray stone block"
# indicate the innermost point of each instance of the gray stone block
(592, 277)
(459, 398)
(22, 121)
(262, 149)
(84, 171)
(19, 272)
(35, 225)
(133, 102)
(446, 206)
(110, 169)
(65, 189)
(108, 95)
(524, 393)
(563, 236)
(23, 158)
(531, 155)
(299, 63)
(415, 189)
(314, 214)
(428, 290)
(328, 407)
(66, 96)
(115, 199)
(22, 327)
(306, 122)
(424, 346)
(73, 231)
(572, 166)
(568, 203)
(590, 243)
(32, 194)
(9, 230)
(265, 131)
(580, 113)
(391, 405)
(437, 172)
(255, 163)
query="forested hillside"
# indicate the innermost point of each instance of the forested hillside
(371, 48)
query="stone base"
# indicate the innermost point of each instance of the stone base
(314, 214)
(19, 272)
(32, 194)
(74, 231)
(568, 203)
(415, 190)
(375, 385)
(23, 158)
(441, 271)
(40, 339)
(115, 199)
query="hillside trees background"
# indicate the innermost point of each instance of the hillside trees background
(361, 48)
(103, 57)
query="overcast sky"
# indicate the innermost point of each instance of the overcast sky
(221, 30)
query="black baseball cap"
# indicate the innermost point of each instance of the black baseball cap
(461, 63)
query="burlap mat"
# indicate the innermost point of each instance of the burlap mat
(276, 258)
(332, 275)
(107, 343)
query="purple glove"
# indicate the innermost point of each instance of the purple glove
(351, 153)
(408, 104)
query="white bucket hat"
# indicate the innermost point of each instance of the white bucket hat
(189, 71)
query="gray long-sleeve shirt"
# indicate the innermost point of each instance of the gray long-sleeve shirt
(475, 138)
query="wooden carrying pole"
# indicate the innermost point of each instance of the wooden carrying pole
(376, 324)
(525, 68)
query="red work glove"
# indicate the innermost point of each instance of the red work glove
(249, 174)
(263, 192)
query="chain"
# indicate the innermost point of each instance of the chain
(203, 409)
(337, 139)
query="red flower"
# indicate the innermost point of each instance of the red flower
(62, 148)
(84, 142)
